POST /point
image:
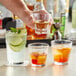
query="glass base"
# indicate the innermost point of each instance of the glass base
(18, 64)
(58, 63)
(38, 65)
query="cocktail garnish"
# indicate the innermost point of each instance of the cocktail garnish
(15, 30)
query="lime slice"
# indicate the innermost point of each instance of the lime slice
(17, 48)
(16, 41)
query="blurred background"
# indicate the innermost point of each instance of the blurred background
(6, 15)
(48, 5)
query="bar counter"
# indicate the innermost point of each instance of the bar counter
(49, 70)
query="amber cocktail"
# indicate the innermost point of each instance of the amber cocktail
(38, 58)
(61, 51)
(31, 35)
(38, 53)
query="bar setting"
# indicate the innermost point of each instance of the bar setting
(37, 37)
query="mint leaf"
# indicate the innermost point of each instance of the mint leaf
(19, 31)
(13, 29)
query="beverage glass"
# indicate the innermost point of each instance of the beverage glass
(61, 50)
(15, 44)
(38, 53)
(42, 23)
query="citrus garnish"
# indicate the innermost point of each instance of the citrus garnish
(17, 48)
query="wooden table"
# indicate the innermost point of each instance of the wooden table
(48, 70)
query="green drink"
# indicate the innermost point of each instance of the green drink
(15, 43)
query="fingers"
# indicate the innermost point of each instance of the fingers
(41, 12)
(29, 20)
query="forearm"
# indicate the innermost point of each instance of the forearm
(16, 6)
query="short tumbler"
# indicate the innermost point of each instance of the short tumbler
(38, 53)
(61, 51)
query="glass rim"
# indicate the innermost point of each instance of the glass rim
(45, 15)
(14, 35)
(61, 42)
(38, 44)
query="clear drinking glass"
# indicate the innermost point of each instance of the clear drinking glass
(38, 53)
(61, 50)
(42, 23)
(15, 44)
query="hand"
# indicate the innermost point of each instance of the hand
(19, 8)
(29, 20)
(42, 13)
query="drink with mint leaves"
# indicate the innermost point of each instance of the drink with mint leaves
(15, 43)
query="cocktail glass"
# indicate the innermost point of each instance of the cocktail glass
(42, 24)
(38, 53)
(61, 50)
(15, 44)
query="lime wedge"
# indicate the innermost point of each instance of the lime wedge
(17, 48)
(16, 41)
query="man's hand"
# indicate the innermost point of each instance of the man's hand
(43, 12)
(19, 8)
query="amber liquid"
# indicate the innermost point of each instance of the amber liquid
(33, 35)
(61, 55)
(38, 33)
(30, 6)
(30, 31)
(42, 25)
(38, 58)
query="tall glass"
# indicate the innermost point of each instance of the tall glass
(15, 44)
(61, 50)
(38, 53)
